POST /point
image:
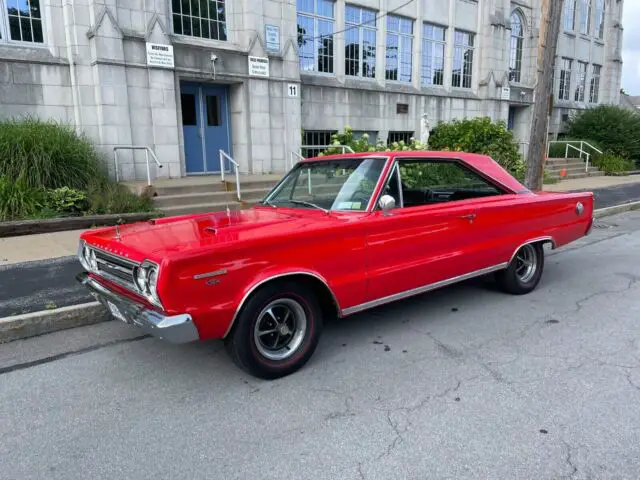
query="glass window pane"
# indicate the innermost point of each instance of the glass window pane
(177, 24)
(188, 102)
(325, 8)
(305, 6)
(37, 31)
(352, 14)
(213, 111)
(393, 23)
(14, 28)
(369, 17)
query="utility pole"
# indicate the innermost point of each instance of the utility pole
(547, 46)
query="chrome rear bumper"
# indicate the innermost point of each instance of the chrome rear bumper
(173, 329)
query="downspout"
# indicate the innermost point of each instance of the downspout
(68, 12)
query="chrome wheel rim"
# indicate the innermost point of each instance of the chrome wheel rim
(526, 263)
(280, 329)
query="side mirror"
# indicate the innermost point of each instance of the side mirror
(387, 203)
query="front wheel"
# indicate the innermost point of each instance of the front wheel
(523, 274)
(277, 330)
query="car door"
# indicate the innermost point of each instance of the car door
(420, 242)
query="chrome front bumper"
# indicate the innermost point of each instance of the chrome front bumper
(173, 329)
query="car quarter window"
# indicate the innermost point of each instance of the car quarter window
(428, 181)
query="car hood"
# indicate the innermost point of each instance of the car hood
(159, 238)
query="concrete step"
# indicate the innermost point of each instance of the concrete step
(565, 161)
(201, 208)
(570, 168)
(187, 189)
(168, 201)
(571, 176)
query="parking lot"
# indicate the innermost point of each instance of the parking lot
(465, 382)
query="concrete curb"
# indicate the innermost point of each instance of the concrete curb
(28, 325)
(625, 207)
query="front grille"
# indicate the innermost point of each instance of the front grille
(117, 269)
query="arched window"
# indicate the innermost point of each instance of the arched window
(600, 11)
(517, 42)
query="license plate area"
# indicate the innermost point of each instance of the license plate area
(115, 311)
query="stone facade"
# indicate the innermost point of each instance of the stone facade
(86, 65)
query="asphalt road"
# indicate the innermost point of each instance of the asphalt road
(466, 382)
(34, 286)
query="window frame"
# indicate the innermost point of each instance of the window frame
(581, 81)
(433, 44)
(361, 27)
(570, 7)
(395, 168)
(400, 36)
(601, 10)
(584, 20)
(517, 42)
(316, 18)
(565, 79)
(594, 84)
(225, 24)
(460, 47)
(5, 29)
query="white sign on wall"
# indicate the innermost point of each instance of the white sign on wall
(258, 66)
(272, 37)
(506, 93)
(159, 55)
(293, 90)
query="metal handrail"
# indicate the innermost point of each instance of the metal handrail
(147, 150)
(224, 155)
(294, 155)
(581, 152)
(344, 148)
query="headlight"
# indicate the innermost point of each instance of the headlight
(146, 279)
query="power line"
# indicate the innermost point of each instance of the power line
(319, 37)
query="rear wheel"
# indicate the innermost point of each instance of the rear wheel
(277, 331)
(525, 270)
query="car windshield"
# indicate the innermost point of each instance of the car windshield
(337, 184)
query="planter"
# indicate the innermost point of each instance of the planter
(30, 227)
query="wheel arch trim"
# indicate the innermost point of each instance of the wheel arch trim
(280, 276)
(546, 239)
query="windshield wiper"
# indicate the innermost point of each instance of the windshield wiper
(301, 202)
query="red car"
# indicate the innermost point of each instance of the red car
(338, 235)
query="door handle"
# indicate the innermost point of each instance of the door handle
(471, 217)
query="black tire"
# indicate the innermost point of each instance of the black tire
(513, 280)
(247, 351)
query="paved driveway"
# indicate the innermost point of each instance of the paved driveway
(462, 383)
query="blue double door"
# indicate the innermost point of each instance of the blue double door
(205, 121)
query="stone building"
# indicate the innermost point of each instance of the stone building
(259, 79)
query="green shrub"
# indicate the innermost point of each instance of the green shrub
(479, 135)
(610, 163)
(18, 200)
(66, 201)
(46, 155)
(106, 198)
(616, 129)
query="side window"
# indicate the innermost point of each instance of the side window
(426, 182)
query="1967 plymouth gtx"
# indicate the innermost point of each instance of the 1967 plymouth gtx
(338, 235)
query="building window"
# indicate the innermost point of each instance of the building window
(594, 89)
(360, 42)
(321, 139)
(585, 17)
(371, 137)
(582, 82)
(565, 79)
(600, 11)
(196, 18)
(433, 45)
(517, 42)
(21, 21)
(570, 15)
(316, 24)
(463, 59)
(399, 48)
(399, 137)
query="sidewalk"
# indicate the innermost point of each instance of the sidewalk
(61, 244)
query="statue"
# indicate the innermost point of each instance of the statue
(424, 134)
